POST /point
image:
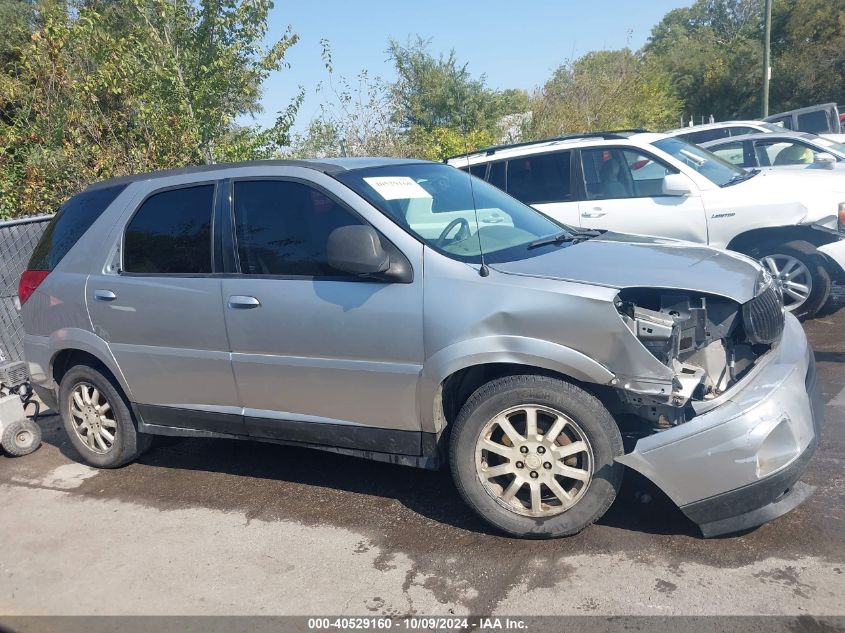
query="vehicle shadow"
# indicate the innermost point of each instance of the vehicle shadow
(238, 475)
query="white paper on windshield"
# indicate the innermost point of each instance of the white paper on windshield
(397, 187)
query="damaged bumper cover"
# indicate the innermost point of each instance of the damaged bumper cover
(736, 463)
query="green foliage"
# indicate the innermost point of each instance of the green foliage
(109, 88)
(438, 92)
(713, 52)
(442, 142)
(601, 91)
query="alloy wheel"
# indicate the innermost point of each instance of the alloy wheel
(795, 278)
(93, 418)
(534, 460)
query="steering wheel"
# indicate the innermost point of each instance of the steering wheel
(463, 233)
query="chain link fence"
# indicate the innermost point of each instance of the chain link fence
(17, 241)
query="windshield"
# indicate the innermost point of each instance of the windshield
(839, 148)
(444, 207)
(705, 163)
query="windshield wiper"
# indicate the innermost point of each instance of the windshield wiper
(565, 237)
(742, 177)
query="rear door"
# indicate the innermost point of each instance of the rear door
(158, 306)
(623, 191)
(545, 181)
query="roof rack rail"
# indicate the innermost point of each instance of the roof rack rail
(606, 135)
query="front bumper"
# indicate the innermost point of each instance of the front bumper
(735, 465)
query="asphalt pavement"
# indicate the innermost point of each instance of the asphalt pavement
(229, 527)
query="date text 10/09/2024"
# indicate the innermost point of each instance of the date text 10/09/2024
(417, 623)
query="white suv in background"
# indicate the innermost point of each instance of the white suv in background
(707, 132)
(653, 184)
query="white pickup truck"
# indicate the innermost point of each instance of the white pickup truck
(653, 184)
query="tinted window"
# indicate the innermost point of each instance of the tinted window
(479, 170)
(72, 220)
(815, 122)
(739, 131)
(540, 178)
(283, 228)
(496, 177)
(704, 135)
(171, 233)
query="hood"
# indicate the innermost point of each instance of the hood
(630, 261)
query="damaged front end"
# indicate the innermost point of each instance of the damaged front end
(708, 342)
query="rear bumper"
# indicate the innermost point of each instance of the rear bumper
(735, 465)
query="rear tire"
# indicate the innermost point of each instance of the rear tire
(97, 419)
(799, 265)
(556, 480)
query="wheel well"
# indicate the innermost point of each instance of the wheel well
(69, 358)
(752, 242)
(458, 387)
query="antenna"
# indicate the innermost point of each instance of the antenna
(484, 271)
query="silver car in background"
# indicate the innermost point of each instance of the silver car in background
(405, 311)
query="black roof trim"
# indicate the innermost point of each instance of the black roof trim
(327, 168)
(606, 135)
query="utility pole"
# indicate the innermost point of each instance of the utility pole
(767, 61)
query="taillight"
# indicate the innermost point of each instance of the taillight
(842, 216)
(30, 280)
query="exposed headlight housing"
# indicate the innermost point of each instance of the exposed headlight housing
(763, 316)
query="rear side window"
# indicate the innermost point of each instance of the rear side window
(705, 135)
(541, 178)
(72, 220)
(283, 228)
(496, 177)
(171, 233)
(815, 122)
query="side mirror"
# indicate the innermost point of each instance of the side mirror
(824, 160)
(357, 250)
(676, 185)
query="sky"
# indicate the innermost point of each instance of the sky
(515, 44)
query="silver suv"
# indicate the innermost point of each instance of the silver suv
(405, 311)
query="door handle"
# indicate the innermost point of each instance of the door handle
(104, 295)
(243, 302)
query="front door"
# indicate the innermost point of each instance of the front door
(319, 356)
(160, 312)
(623, 191)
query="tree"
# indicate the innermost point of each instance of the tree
(808, 41)
(357, 118)
(438, 92)
(106, 88)
(604, 90)
(713, 53)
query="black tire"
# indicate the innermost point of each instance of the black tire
(21, 438)
(128, 444)
(585, 410)
(810, 257)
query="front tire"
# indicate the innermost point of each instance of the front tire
(97, 419)
(802, 273)
(534, 456)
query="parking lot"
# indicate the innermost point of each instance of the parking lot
(228, 527)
